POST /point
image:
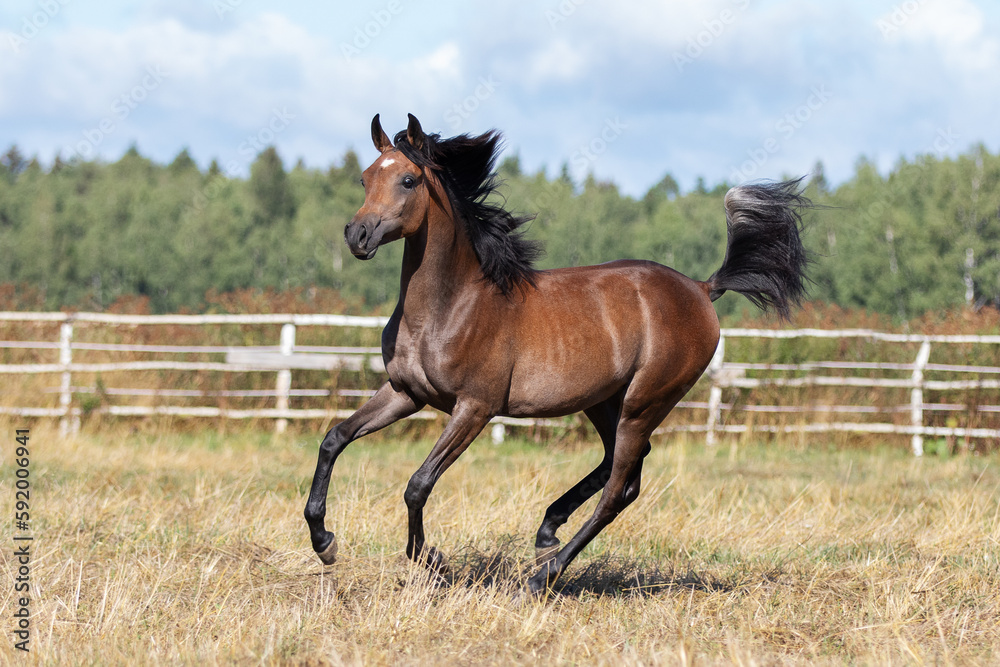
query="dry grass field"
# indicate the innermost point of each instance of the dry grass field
(165, 548)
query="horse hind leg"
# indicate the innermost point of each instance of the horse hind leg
(604, 416)
(621, 489)
(644, 406)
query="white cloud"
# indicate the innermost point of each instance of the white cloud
(956, 28)
(551, 86)
(557, 62)
(665, 25)
(233, 79)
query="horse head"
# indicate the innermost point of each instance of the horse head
(396, 194)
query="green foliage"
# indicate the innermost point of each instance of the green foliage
(86, 234)
(273, 202)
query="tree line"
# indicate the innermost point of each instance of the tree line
(85, 234)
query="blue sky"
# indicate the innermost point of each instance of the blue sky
(627, 90)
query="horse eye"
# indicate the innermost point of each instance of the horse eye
(408, 182)
(362, 182)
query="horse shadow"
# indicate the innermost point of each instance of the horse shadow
(504, 566)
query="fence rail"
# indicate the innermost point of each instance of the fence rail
(285, 357)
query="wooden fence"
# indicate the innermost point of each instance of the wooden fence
(971, 388)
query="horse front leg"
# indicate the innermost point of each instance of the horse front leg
(388, 405)
(466, 423)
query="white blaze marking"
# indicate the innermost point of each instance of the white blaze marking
(386, 162)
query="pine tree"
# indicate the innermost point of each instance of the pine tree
(272, 196)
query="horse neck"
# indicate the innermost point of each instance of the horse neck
(439, 265)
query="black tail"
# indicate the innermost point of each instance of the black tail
(765, 259)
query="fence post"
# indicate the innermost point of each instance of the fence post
(715, 393)
(66, 386)
(917, 398)
(285, 375)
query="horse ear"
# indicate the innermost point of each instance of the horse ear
(414, 133)
(379, 137)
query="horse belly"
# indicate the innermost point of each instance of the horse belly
(556, 389)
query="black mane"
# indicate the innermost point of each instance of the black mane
(465, 165)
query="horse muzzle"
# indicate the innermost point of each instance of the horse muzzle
(363, 236)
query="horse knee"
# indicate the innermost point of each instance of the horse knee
(417, 490)
(333, 443)
(329, 442)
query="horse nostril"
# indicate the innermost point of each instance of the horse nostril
(346, 227)
(362, 235)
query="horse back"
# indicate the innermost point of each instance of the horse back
(584, 333)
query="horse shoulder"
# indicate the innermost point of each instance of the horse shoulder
(439, 359)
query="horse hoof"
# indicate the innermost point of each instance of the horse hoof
(544, 554)
(329, 555)
(436, 561)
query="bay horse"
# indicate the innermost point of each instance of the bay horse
(478, 332)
